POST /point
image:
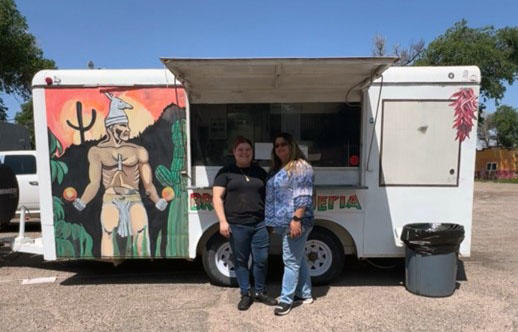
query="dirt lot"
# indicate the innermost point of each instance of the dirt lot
(176, 295)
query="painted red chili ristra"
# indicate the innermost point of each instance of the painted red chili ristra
(466, 106)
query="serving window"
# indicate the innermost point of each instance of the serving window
(329, 133)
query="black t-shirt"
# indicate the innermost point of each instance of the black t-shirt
(244, 193)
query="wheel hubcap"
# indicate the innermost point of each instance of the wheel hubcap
(319, 257)
(224, 261)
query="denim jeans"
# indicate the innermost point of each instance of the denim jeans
(246, 239)
(296, 280)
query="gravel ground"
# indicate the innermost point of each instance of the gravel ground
(176, 295)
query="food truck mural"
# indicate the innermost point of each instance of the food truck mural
(132, 156)
(116, 162)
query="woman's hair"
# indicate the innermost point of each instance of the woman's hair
(295, 153)
(239, 140)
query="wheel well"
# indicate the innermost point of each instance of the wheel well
(341, 234)
(202, 243)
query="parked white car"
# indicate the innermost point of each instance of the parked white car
(23, 164)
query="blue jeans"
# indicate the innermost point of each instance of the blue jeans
(246, 239)
(296, 280)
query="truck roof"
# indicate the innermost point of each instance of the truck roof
(265, 79)
(103, 77)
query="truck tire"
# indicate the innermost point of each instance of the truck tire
(9, 195)
(325, 256)
(217, 262)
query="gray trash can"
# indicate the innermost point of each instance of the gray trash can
(431, 258)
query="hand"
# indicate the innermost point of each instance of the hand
(224, 229)
(295, 229)
(78, 204)
(161, 204)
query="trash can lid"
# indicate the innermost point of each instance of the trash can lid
(432, 233)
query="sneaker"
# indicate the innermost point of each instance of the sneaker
(245, 302)
(302, 300)
(282, 309)
(263, 298)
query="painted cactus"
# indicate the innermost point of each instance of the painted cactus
(80, 127)
(177, 219)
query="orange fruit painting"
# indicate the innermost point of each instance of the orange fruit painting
(168, 193)
(69, 194)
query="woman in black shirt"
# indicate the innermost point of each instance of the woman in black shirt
(238, 198)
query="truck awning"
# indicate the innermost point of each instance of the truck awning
(276, 80)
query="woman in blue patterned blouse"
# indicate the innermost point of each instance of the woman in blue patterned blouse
(289, 210)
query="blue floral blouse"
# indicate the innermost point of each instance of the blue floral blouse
(288, 191)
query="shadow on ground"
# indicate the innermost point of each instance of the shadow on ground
(372, 272)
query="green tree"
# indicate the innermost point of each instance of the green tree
(505, 121)
(26, 118)
(509, 37)
(495, 52)
(21, 57)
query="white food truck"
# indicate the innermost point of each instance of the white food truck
(126, 158)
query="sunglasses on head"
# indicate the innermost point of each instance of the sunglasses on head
(278, 145)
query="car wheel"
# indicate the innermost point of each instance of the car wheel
(325, 256)
(218, 262)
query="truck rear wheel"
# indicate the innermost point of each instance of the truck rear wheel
(325, 256)
(218, 263)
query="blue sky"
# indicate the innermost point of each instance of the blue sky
(135, 34)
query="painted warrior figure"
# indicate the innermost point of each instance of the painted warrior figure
(121, 166)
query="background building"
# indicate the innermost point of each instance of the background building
(496, 163)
